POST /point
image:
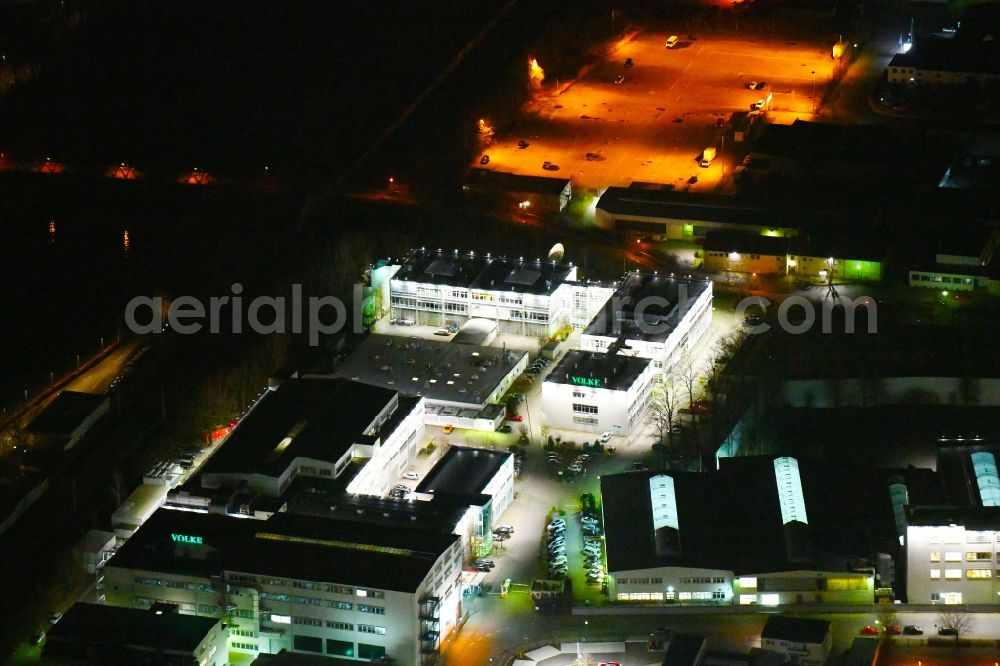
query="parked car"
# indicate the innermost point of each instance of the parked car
(484, 160)
(484, 563)
(549, 166)
(947, 631)
(592, 156)
(515, 417)
(509, 529)
(442, 331)
(522, 144)
(605, 437)
(757, 106)
(639, 467)
(628, 63)
(448, 429)
(893, 629)
(576, 468)
(411, 476)
(557, 521)
(913, 630)
(869, 630)
(505, 429)
(620, 78)
(672, 41)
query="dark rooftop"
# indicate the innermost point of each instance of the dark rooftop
(827, 143)
(976, 518)
(295, 546)
(66, 413)
(618, 316)
(669, 205)
(512, 182)
(795, 629)
(732, 520)
(948, 54)
(463, 471)
(89, 623)
(684, 650)
(436, 370)
(484, 271)
(746, 244)
(611, 372)
(304, 418)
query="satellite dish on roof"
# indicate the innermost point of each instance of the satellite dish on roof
(557, 252)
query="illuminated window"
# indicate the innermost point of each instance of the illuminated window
(748, 582)
(281, 619)
(935, 574)
(953, 574)
(979, 574)
(746, 599)
(769, 599)
(684, 596)
(979, 557)
(936, 556)
(953, 556)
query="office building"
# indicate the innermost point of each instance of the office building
(652, 316)
(528, 297)
(597, 392)
(315, 427)
(299, 583)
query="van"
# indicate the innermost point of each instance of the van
(672, 41)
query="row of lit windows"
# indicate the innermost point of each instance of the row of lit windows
(956, 556)
(306, 601)
(586, 420)
(297, 584)
(580, 408)
(639, 581)
(956, 574)
(703, 580)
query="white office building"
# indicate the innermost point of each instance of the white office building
(298, 583)
(597, 392)
(652, 316)
(527, 297)
(951, 554)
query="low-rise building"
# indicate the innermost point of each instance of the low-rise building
(459, 384)
(801, 640)
(116, 636)
(299, 583)
(597, 391)
(529, 193)
(937, 60)
(652, 316)
(741, 253)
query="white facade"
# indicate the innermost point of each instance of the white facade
(390, 458)
(800, 652)
(570, 304)
(269, 614)
(664, 352)
(804, 587)
(594, 408)
(948, 564)
(672, 585)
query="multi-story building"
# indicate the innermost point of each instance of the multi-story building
(320, 428)
(952, 554)
(597, 392)
(298, 583)
(652, 316)
(527, 297)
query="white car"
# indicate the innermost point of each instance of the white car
(411, 476)
(605, 436)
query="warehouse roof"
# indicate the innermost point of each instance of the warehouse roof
(89, 623)
(647, 307)
(307, 548)
(795, 629)
(598, 370)
(440, 371)
(463, 471)
(306, 418)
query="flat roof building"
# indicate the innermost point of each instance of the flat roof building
(652, 316)
(597, 391)
(68, 418)
(299, 583)
(116, 636)
(318, 427)
(801, 640)
(460, 384)
(523, 296)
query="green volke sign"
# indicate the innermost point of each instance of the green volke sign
(586, 381)
(184, 538)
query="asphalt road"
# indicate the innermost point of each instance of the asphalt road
(653, 126)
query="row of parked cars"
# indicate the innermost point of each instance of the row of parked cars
(908, 630)
(593, 560)
(556, 545)
(537, 366)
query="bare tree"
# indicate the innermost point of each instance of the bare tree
(663, 406)
(688, 375)
(957, 621)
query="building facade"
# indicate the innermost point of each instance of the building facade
(952, 556)
(597, 392)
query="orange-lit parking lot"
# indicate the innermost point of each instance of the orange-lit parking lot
(653, 125)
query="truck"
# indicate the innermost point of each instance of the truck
(707, 156)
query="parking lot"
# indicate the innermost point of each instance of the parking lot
(654, 125)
